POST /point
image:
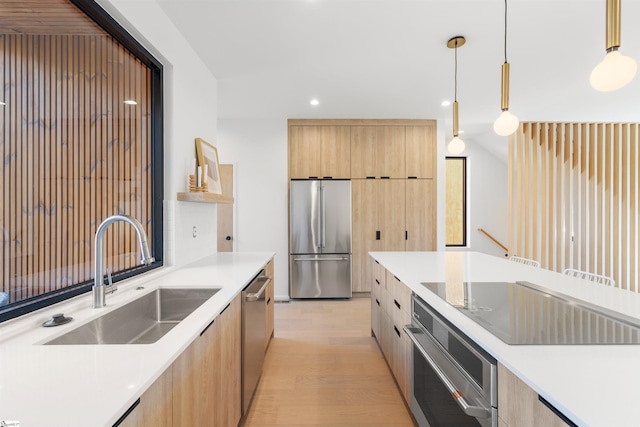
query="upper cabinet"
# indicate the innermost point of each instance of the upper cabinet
(420, 148)
(378, 152)
(361, 149)
(319, 152)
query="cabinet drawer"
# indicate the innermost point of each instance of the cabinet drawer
(400, 294)
(375, 316)
(379, 273)
(400, 317)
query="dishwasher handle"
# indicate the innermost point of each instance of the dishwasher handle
(256, 296)
(472, 411)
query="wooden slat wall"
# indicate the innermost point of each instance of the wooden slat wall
(73, 153)
(573, 190)
(46, 17)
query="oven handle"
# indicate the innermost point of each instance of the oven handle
(256, 296)
(472, 411)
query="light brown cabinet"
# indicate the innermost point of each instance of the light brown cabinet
(377, 224)
(420, 208)
(155, 408)
(519, 406)
(377, 289)
(269, 296)
(206, 376)
(420, 151)
(319, 152)
(391, 311)
(378, 152)
(389, 215)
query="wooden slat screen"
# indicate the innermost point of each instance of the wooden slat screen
(573, 190)
(72, 154)
(46, 17)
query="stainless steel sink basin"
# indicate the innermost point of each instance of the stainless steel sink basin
(142, 321)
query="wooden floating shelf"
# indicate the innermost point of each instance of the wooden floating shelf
(204, 198)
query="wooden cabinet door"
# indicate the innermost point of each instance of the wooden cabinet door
(304, 152)
(390, 152)
(269, 297)
(364, 221)
(420, 151)
(320, 152)
(406, 356)
(518, 404)
(226, 364)
(375, 316)
(207, 375)
(378, 219)
(155, 407)
(420, 215)
(391, 213)
(377, 151)
(335, 152)
(363, 151)
(385, 339)
(193, 395)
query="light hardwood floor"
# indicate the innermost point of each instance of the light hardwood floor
(323, 368)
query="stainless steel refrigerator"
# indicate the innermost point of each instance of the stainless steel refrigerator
(320, 239)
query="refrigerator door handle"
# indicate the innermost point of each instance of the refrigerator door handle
(344, 258)
(319, 213)
(324, 212)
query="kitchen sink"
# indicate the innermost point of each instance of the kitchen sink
(142, 321)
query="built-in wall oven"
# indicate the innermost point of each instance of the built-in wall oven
(454, 382)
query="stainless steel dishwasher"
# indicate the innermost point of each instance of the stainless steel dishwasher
(254, 312)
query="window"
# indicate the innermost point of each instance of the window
(456, 197)
(81, 130)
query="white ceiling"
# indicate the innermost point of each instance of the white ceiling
(388, 59)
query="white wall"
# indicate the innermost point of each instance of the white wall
(487, 201)
(190, 106)
(258, 150)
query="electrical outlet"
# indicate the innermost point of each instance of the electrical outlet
(195, 232)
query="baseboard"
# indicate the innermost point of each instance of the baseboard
(361, 295)
(281, 298)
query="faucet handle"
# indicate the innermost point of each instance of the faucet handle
(111, 288)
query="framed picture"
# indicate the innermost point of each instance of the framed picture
(208, 155)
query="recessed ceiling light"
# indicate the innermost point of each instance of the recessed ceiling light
(130, 102)
(446, 103)
(314, 102)
(460, 131)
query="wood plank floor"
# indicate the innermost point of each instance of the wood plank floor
(323, 368)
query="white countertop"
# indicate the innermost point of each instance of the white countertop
(593, 385)
(93, 385)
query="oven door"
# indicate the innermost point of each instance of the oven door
(441, 394)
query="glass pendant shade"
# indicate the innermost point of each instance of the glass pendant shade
(614, 72)
(506, 124)
(455, 146)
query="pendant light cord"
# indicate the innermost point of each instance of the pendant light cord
(505, 30)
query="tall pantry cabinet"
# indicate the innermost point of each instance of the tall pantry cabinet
(391, 165)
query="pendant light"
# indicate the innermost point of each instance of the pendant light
(456, 145)
(616, 70)
(506, 123)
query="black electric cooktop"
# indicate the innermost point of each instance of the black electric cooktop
(524, 313)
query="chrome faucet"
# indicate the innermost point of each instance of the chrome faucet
(98, 286)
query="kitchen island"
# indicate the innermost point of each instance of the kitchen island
(95, 385)
(592, 385)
